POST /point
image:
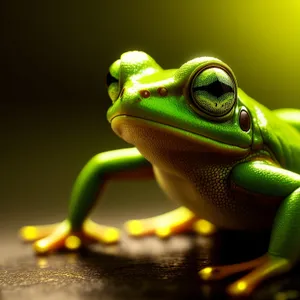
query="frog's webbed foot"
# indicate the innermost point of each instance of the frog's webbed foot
(220, 272)
(176, 221)
(53, 237)
(261, 268)
(34, 233)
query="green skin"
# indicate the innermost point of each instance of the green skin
(236, 173)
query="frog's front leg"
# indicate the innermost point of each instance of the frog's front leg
(179, 220)
(118, 164)
(284, 249)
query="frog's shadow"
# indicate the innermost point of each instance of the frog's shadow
(225, 247)
(149, 267)
(135, 264)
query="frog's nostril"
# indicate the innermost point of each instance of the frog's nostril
(145, 93)
(110, 79)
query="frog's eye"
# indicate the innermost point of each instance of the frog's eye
(213, 91)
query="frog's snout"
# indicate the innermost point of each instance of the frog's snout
(113, 80)
(131, 64)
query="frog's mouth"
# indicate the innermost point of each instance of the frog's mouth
(144, 133)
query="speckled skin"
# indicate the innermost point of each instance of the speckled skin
(202, 185)
(212, 148)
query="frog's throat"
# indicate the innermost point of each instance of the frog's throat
(140, 132)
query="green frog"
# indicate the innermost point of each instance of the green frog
(226, 159)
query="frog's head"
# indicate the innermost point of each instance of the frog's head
(194, 108)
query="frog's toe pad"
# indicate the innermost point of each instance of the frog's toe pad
(220, 272)
(211, 273)
(50, 238)
(34, 233)
(240, 288)
(101, 233)
(270, 266)
(260, 269)
(177, 221)
(204, 227)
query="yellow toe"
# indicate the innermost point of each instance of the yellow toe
(41, 246)
(240, 288)
(205, 273)
(28, 233)
(134, 227)
(204, 227)
(163, 232)
(72, 242)
(111, 235)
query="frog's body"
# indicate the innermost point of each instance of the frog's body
(199, 179)
(212, 148)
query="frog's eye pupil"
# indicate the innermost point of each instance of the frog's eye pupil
(244, 120)
(216, 88)
(213, 91)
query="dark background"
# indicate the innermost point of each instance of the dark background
(54, 58)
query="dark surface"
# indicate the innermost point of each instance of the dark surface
(146, 268)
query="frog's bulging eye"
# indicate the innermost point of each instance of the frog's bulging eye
(213, 91)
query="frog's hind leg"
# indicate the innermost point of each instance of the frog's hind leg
(284, 247)
(290, 116)
(260, 269)
(176, 221)
(48, 237)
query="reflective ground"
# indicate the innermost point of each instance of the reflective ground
(146, 268)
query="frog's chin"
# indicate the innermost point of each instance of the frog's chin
(152, 139)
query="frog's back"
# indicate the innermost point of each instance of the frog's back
(280, 133)
(285, 143)
(290, 116)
